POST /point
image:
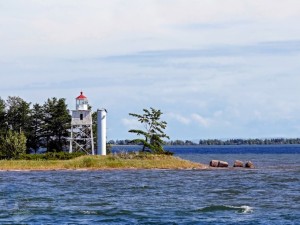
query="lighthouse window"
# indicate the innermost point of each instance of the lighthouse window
(81, 116)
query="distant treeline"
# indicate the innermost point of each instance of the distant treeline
(272, 141)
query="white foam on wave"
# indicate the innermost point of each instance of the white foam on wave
(247, 209)
(88, 212)
(237, 209)
(242, 209)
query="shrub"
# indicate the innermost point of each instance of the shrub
(168, 153)
(12, 145)
(50, 156)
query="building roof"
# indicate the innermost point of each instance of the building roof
(81, 96)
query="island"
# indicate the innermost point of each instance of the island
(109, 162)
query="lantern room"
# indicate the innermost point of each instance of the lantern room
(81, 102)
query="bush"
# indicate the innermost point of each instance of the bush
(12, 145)
(168, 153)
(134, 155)
(50, 156)
(108, 149)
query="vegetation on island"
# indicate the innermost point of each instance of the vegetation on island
(26, 128)
(13, 144)
(136, 160)
(154, 131)
(32, 127)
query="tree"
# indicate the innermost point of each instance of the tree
(3, 122)
(57, 124)
(18, 112)
(13, 144)
(34, 138)
(153, 133)
(111, 142)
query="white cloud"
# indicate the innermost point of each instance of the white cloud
(206, 122)
(235, 62)
(178, 117)
(131, 123)
(106, 27)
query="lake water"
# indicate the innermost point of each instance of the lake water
(269, 194)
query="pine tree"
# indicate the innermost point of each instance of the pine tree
(153, 133)
(35, 136)
(3, 122)
(18, 113)
(57, 124)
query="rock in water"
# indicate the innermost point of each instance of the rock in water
(223, 164)
(214, 163)
(238, 163)
(250, 165)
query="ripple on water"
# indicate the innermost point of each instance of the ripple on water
(215, 208)
(263, 196)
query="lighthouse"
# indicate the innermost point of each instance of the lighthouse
(81, 127)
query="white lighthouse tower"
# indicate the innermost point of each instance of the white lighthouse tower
(81, 127)
(101, 131)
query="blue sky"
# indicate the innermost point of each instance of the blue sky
(216, 68)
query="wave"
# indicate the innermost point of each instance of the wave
(238, 209)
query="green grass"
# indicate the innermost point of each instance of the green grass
(125, 161)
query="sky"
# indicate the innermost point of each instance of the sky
(215, 68)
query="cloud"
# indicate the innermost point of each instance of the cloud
(263, 48)
(178, 117)
(213, 68)
(131, 123)
(93, 27)
(201, 120)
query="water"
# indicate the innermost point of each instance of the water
(269, 194)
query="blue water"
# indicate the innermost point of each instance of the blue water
(269, 194)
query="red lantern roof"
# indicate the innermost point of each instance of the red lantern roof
(81, 96)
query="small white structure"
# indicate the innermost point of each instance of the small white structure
(81, 127)
(101, 131)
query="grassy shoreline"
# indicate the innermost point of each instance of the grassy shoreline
(102, 163)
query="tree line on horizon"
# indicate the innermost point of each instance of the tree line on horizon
(255, 141)
(204, 142)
